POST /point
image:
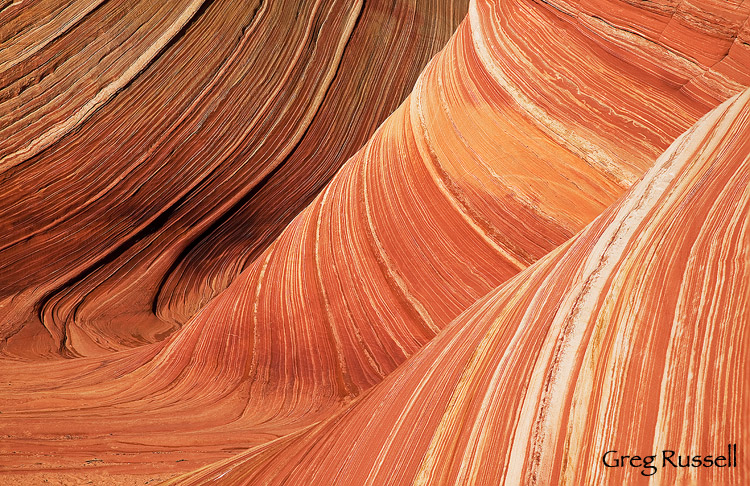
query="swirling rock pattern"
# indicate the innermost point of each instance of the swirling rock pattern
(175, 141)
(631, 336)
(190, 153)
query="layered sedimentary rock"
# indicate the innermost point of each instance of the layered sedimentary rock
(150, 150)
(176, 186)
(630, 337)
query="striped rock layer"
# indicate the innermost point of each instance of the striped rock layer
(175, 161)
(633, 336)
(150, 150)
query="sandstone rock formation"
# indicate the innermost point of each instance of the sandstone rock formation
(150, 150)
(630, 336)
(217, 248)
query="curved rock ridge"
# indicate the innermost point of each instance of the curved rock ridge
(178, 227)
(632, 336)
(459, 189)
(150, 150)
(175, 183)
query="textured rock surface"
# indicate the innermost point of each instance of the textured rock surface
(615, 340)
(123, 213)
(153, 156)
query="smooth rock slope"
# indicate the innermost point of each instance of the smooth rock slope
(632, 336)
(222, 217)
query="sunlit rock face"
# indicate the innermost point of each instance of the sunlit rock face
(259, 226)
(613, 341)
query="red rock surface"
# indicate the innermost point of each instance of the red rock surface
(124, 212)
(153, 157)
(630, 336)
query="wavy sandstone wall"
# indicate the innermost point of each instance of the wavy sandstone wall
(205, 205)
(150, 150)
(631, 336)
